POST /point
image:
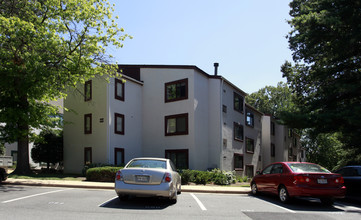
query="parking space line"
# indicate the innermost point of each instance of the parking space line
(39, 194)
(199, 202)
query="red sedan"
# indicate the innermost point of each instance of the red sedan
(299, 179)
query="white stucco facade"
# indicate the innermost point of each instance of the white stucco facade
(204, 128)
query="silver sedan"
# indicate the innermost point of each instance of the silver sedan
(147, 177)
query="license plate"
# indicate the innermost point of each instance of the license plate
(143, 179)
(322, 181)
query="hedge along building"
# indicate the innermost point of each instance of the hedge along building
(200, 121)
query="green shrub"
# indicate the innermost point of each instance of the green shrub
(92, 165)
(102, 174)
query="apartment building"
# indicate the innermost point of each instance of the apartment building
(200, 121)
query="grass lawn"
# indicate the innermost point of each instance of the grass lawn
(48, 176)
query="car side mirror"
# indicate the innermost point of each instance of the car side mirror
(258, 173)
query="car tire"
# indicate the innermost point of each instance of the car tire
(327, 201)
(254, 189)
(173, 199)
(283, 194)
(179, 191)
(123, 198)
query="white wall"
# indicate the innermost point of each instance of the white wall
(74, 138)
(155, 109)
(131, 108)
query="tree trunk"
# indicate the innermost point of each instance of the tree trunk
(23, 166)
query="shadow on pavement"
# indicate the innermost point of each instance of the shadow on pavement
(138, 203)
(9, 188)
(300, 204)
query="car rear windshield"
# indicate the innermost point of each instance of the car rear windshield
(307, 168)
(156, 164)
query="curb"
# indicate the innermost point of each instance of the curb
(70, 185)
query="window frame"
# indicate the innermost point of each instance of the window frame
(250, 114)
(235, 125)
(168, 117)
(86, 84)
(88, 149)
(273, 150)
(241, 102)
(166, 99)
(116, 150)
(116, 83)
(246, 170)
(177, 151)
(235, 156)
(273, 128)
(90, 130)
(116, 116)
(247, 141)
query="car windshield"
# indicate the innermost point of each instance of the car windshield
(156, 164)
(307, 168)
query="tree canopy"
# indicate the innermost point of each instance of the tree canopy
(45, 47)
(325, 74)
(272, 100)
(48, 148)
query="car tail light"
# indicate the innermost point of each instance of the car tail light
(119, 176)
(339, 180)
(167, 177)
(301, 179)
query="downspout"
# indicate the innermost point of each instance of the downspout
(108, 121)
(221, 125)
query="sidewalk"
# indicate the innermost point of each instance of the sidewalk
(106, 185)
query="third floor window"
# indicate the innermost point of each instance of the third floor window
(176, 90)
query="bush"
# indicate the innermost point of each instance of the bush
(102, 174)
(92, 165)
(203, 177)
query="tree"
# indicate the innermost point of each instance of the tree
(326, 74)
(272, 100)
(45, 47)
(48, 148)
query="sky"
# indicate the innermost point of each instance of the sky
(246, 37)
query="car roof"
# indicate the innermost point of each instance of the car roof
(150, 158)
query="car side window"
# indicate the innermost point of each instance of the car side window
(267, 170)
(277, 168)
(172, 166)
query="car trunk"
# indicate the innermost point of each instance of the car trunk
(322, 180)
(143, 176)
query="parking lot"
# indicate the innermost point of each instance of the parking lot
(27, 202)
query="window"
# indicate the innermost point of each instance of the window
(119, 156)
(224, 109)
(249, 118)
(177, 90)
(88, 155)
(176, 124)
(178, 157)
(273, 128)
(249, 171)
(249, 145)
(277, 169)
(273, 150)
(118, 123)
(238, 131)
(88, 90)
(238, 161)
(119, 90)
(88, 124)
(238, 102)
(290, 132)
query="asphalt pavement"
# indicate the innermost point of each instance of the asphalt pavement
(107, 185)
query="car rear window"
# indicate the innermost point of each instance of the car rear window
(156, 164)
(307, 168)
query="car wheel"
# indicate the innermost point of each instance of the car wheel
(173, 199)
(283, 194)
(179, 191)
(123, 197)
(254, 189)
(327, 201)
